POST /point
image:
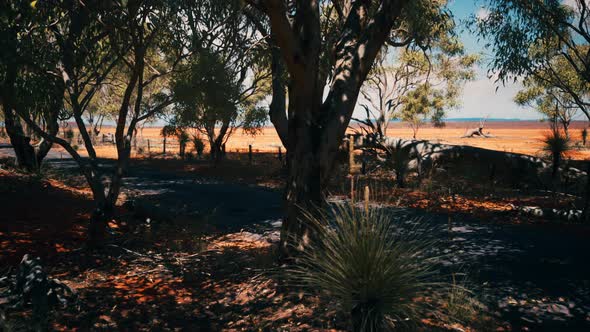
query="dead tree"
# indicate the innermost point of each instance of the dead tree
(477, 131)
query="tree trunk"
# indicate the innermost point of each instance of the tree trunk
(102, 213)
(556, 162)
(277, 108)
(97, 228)
(566, 125)
(23, 150)
(316, 129)
(303, 191)
(586, 216)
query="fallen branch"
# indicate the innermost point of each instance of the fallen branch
(476, 132)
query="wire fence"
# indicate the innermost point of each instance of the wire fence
(169, 146)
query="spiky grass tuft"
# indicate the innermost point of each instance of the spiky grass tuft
(382, 276)
(556, 144)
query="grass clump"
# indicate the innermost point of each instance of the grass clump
(556, 144)
(398, 159)
(382, 276)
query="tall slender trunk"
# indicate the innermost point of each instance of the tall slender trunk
(586, 211)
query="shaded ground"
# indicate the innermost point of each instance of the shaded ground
(26, 226)
(534, 276)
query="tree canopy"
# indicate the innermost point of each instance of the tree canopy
(545, 39)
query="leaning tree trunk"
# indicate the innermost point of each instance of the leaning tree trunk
(23, 150)
(27, 157)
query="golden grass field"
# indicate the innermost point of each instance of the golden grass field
(518, 137)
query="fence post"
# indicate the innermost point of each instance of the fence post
(149, 148)
(351, 154)
(223, 150)
(352, 189)
(250, 153)
(164, 146)
(280, 154)
(367, 199)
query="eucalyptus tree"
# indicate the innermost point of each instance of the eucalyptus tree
(382, 92)
(396, 86)
(548, 41)
(548, 100)
(28, 81)
(94, 39)
(220, 86)
(328, 49)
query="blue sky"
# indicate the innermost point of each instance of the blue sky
(480, 97)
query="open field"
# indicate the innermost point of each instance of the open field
(518, 137)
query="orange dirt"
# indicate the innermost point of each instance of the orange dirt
(518, 137)
(39, 217)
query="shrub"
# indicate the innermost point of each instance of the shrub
(398, 158)
(199, 145)
(376, 272)
(69, 135)
(556, 144)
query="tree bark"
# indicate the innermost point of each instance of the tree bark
(316, 128)
(586, 216)
(278, 106)
(24, 152)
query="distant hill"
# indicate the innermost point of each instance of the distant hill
(476, 120)
(488, 120)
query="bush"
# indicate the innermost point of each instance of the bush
(199, 145)
(398, 158)
(556, 144)
(69, 135)
(378, 274)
